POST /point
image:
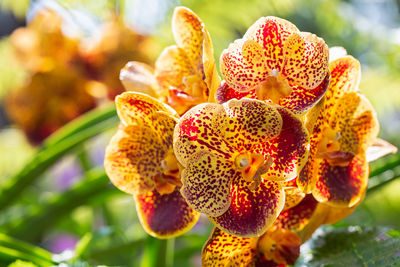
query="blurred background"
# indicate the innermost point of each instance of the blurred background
(60, 59)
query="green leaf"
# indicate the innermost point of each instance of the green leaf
(12, 249)
(54, 148)
(93, 186)
(354, 246)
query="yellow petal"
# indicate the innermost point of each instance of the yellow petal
(138, 77)
(132, 159)
(188, 33)
(206, 183)
(306, 59)
(165, 216)
(223, 250)
(171, 67)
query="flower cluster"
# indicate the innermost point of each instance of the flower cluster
(66, 76)
(271, 152)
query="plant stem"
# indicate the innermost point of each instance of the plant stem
(157, 253)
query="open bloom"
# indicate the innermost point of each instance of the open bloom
(275, 61)
(185, 74)
(234, 157)
(139, 160)
(342, 127)
(279, 245)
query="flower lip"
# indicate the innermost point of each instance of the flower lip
(252, 166)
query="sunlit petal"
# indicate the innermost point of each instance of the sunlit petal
(251, 212)
(165, 216)
(342, 186)
(223, 249)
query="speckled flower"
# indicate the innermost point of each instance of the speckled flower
(342, 127)
(185, 74)
(275, 61)
(279, 245)
(139, 160)
(234, 157)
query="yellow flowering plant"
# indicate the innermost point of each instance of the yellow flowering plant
(270, 153)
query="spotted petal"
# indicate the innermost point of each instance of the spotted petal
(133, 157)
(251, 213)
(301, 100)
(225, 93)
(271, 33)
(342, 186)
(306, 60)
(206, 182)
(197, 130)
(298, 216)
(345, 78)
(249, 122)
(356, 120)
(188, 33)
(138, 108)
(165, 216)
(222, 249)
(171, 67)
(236, 71)
(289, 150)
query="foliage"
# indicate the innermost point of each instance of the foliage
(354, 246)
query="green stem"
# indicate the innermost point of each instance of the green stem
(169, 252)
(93, 186)
(155, 253)
(46, 157)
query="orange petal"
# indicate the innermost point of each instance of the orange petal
(237, 72)
(197, 130)
(297, 217)
(251, 213)
(341, 186)
(356, 120)
(271, 33)
(223, 249)
(225, 93)
(289, 150)
(132, 159)
(211, 77)
(305, 180)
(188, 33)
(301, 100)
(206, 183)
(379, 149)
(293, 196)
(345, 78)
(249, 122)
(165, 216)
(306, 60)
(138, 77)
(171, 67)
(138, 108)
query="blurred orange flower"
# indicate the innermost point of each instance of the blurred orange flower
(66, 76)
